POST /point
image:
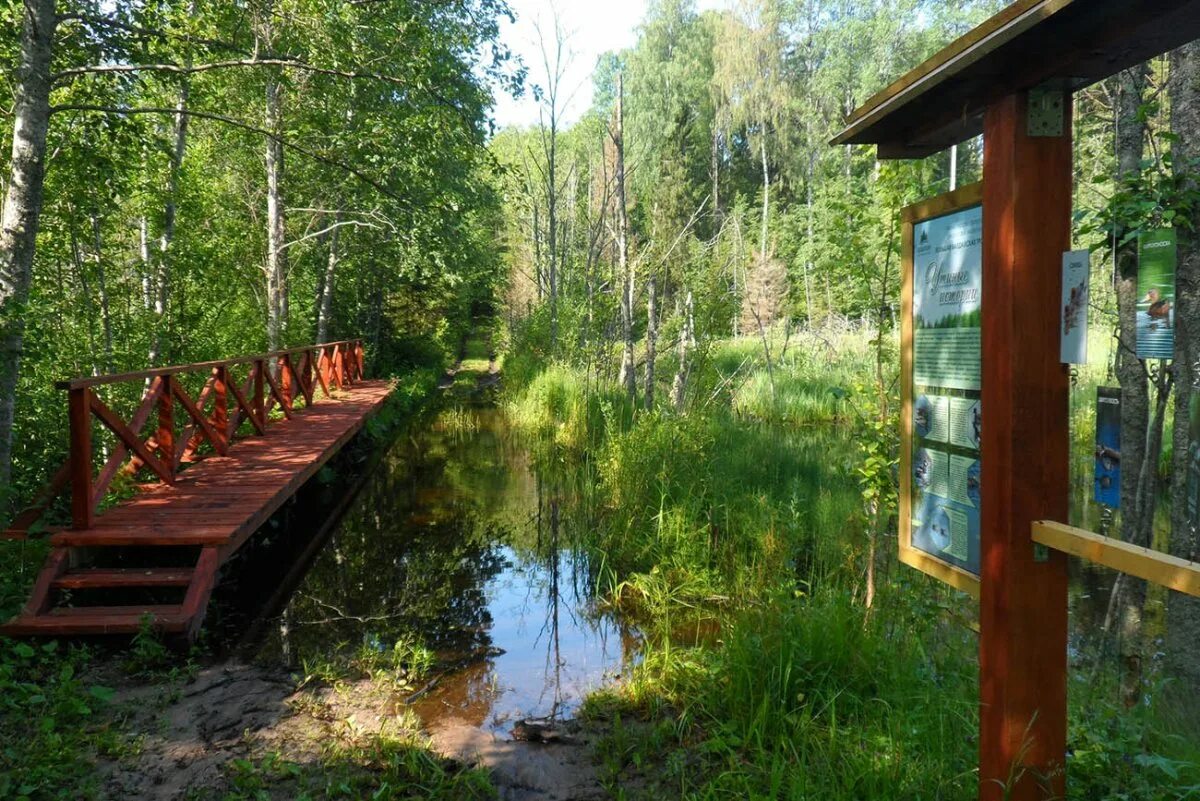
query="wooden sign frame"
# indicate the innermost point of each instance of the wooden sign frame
(961, 199)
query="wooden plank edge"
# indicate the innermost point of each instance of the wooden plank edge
(1145, 563)
(945, 572)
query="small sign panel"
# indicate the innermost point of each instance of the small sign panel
(941, 387)
(1156, 295)
(1075, 272)
(1108, 447)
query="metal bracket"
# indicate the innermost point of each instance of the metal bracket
(1044, 116)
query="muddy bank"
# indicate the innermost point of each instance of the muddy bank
(201, 739)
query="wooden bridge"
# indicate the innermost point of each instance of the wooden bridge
(202, 482)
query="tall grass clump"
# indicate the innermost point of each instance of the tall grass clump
(561, 407)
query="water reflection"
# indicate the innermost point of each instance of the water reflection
(456, 539)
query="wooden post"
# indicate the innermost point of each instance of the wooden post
(165, 435)
(360, 359)
(285, 379)
(1023, 601)
(79, 410)
(220, 414)
(338, 366)
(260, 412)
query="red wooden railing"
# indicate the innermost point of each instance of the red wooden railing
(281, 378)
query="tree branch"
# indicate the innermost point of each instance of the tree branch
(327, 229)
(206, 115)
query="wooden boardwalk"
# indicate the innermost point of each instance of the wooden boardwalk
(159, 552)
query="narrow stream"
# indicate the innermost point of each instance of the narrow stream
(453, 539)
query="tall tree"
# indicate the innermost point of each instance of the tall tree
(21, 214)
(1183, 612)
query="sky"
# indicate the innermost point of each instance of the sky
(592, 27)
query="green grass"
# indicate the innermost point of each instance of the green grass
(735, 537)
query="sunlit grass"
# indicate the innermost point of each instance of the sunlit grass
(734, 536)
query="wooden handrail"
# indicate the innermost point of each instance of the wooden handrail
(272, 379)
(117, 378)
(1154, 566)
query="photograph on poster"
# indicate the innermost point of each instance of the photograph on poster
(1075, 267)
(947, 417)
(1156, 295)
(1108, 446)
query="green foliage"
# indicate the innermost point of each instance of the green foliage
(50, 721)
(381, 766)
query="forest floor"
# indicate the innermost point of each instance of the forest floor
(238, 731)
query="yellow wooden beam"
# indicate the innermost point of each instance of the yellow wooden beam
(1154, 566)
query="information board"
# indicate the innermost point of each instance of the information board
(941, 382)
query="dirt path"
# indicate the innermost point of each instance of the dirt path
(194, 733)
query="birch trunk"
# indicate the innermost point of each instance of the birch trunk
(325, 308)
(23, 206)
(679, 385)
(162, 268)
(1183, 612)
(651, 340)
(102, 287)
(766, 207)
(1128, 596)
(276, 267)
(627, 376)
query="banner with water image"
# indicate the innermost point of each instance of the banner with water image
(1156, 295)
(1108, 446)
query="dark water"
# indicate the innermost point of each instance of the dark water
(452, 538)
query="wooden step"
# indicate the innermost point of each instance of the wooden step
(107, 577)
(97, 620)
(113, 536)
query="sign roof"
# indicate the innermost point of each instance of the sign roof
(1064, 43)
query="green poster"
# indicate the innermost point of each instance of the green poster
(1156, 295)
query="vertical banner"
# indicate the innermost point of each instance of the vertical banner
(1156, 295)
(1108, 446)
(941, 383)
(1076, 270)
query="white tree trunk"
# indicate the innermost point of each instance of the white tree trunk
(686, 341)
(325, 308)
(627, 376)
(23, 206)
(766, 209)
(651, 339)
(162, 269)
(276, 266)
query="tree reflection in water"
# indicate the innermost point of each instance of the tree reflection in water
(458, 540)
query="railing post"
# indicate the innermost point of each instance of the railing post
(338, 366)
(165, 436)
(306, 379)
(220, 414)
(79, 411)
(361, 355)
(285, 379)
(260, 367)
